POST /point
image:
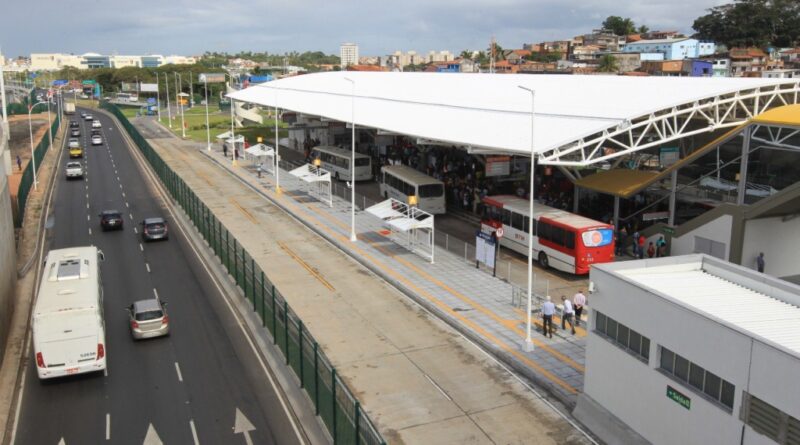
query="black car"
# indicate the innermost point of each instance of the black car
(75, 133)
(74, 124)
(154, 229)
(111, 220)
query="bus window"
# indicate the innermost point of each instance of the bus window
(516, 221)
(506, 215)
(360, 162)
(557, 235)
(569, 240)
(431, 191)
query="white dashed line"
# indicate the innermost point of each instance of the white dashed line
(155, 292)
(127, 205)
(147, 265)
(105, 371)
(87, 205)
(178, 370)
(117, 178)
(194, 432)
(141, 247)
(123, 194)
(90, 230)
(108, 426)
(135, 230)
(131, 215)
(88, 218)
(87, 196)
(120, 186)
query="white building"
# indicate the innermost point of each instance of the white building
(673, 49)
(692, 349)
(401, 60)
(348, 54)
(440, 56)
(55, 61)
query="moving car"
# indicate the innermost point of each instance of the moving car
(154, 229)
(76, 133)
(96, 124)
(111, 220)
(74, 142)
(74, 124)
(83, 115)
(74, 170)
(148, 319)
(88, 117)
(97, 140)
(75, 152)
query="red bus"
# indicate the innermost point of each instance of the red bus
(561, 240)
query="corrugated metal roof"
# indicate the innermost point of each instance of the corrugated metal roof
(755, 313)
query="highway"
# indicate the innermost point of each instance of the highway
(192, 387)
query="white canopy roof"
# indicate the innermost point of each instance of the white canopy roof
(260, 150)
(492, 112)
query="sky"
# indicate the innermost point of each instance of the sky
(379, 27)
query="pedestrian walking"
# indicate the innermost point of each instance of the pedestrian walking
(225, 150)
(651, 250)
(579, 300)
(258, 169)
(19, 163)
(760, 263)
(641, 242)
(661, 247)
(568, 316)
(548, 310)
(635, 244)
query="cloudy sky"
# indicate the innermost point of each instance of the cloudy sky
(379, 27)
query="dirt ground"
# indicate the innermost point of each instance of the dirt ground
(20, 144)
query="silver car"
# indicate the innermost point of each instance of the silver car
(148, 318)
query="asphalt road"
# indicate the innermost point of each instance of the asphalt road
(185, 388)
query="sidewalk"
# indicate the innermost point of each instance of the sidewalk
(417, 378)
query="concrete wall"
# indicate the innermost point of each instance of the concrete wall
(717, 230)
(635, 392)
(778, 240)
(8, 256)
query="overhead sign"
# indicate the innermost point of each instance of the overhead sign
(59, 82)
(498, 165)
(88, 82)
(680, 399)
(129, 87)
(148, 87)
(212, 77)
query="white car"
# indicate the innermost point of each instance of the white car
(74, 143)
(74, 170)
(88, 117)
(96, 124)
(97, 140)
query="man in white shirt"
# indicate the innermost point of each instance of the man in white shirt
(548, 310)
(579, 301)
(568, 315)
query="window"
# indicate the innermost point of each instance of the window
(706, 383)
(544, 231)
(622, 336)
(506, 214)
(516, 221)
(569, 240)
(557, 235)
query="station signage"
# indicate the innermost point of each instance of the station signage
(498, 165)
(88, 82)
(679, 398)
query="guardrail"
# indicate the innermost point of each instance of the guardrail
(27, 175)
(340, 411)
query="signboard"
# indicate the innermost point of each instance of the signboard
(59, 82)
(212, 77)
(669, 155)
(653, 216)
(129, 87)
(151, 100)
(485, 250)
(680, 399)
(88, 82)
(148, 87)
(498, 165)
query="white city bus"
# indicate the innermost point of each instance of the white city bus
(128, 97)
(400, 182)
(337, 161)
(68, 325)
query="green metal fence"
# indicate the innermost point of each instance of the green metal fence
(26, 182)
(334, 402)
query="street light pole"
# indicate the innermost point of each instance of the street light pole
(528, 341)
(33, 158)
(158, 97)
(208, 127)
(180, 103)
(352, 159)
(49, 121)
(233, 137)
(191, 91)
(169, 111)
(277, 149)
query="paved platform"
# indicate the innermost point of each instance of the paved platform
(415, 375)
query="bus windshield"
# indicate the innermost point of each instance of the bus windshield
(431, 191)
(597, 237)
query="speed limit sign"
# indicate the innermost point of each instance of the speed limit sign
(499, 232)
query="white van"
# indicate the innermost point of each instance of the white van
(68, 324)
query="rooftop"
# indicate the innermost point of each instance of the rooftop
(757, 305)
(659, 41)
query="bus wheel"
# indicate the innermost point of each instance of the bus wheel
(543, 261)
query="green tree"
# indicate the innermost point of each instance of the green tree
(619, 26)
(751, 23)
(608, 64)
(643, 29)
(499, 52)
(466, 54)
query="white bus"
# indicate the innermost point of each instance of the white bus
(400, 182)
(128, 97)
(68, 324)
(337, 161)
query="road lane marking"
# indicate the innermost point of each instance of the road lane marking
(108, 426)
(147, 265)
(131, 215)
(306, 266)
(194, 432)
(244, 211)
(87, 205)
(135, 230)
(123, 194)
(178, 371)
(127, 205)
(90, 230)
(88, 218)
(141, 248)
(87, 196)
(155, 292)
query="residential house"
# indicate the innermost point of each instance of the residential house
(365, 68)
(673, 49)
(517, 56)
(679, 68)
(660, 35)
(747, 62)
(606, 40)
(790, 57)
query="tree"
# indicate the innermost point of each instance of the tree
(619, 26)
(466, 54)
(643, 29)
(608, 64)
(751, 23)
(499, 52)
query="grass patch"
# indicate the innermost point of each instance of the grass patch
(220, 122)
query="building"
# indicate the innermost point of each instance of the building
(673, 49)
(348, 54)
(605, 40)
(178, 60)
(686, 67)
(691, 349)
(721, 67)
(748, 62)
(56, 61)
(440, 56)
(401, 60)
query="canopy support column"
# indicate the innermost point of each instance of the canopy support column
(616, 212)
(673, 185)
(576, 196)
(742, 190)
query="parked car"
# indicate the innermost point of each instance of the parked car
(154, 229)
(74, 170)
(148, 319)
(97, 140)
(96, 124)
(111, 220)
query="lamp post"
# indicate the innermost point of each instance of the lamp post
(277, 149)
(528, 346)
(30, 130)
(191, 91)
(158, 98)
(208, 127)
(180, 103)
(233, 136)
(169, 111)
(352, 159)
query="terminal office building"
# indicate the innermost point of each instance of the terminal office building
(692, 350)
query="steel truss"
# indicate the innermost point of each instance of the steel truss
(657, 128)
(775, 135)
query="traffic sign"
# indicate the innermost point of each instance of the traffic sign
(88, 82)
(499, 232)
